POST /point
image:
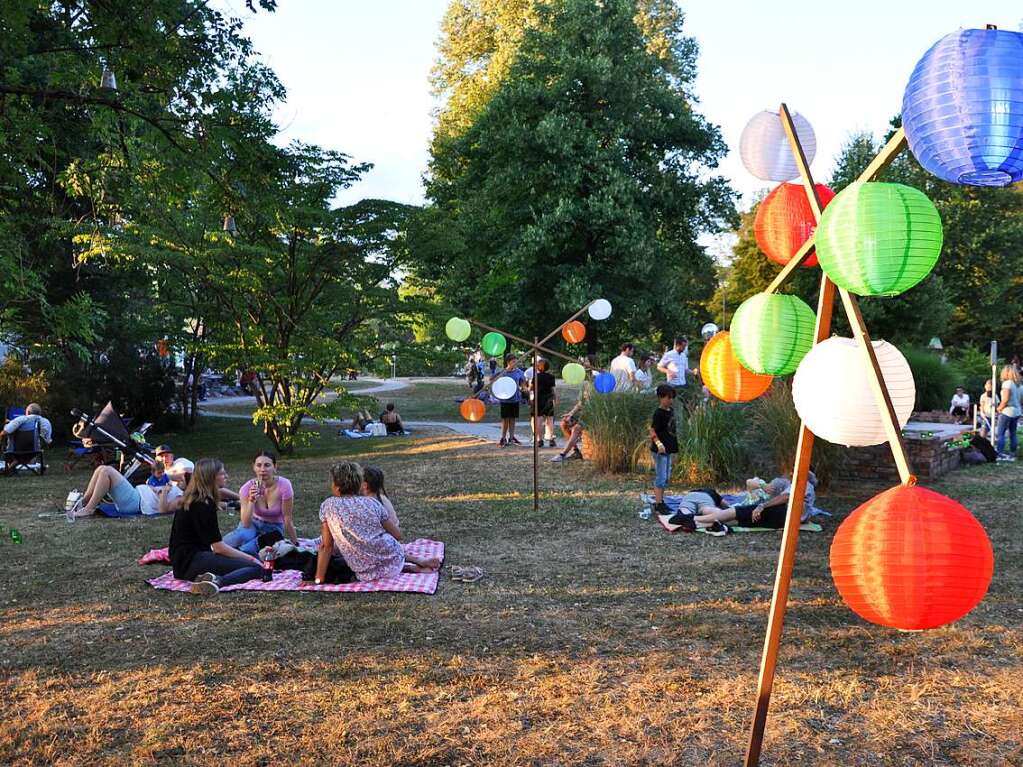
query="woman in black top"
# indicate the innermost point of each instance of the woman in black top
(196, 550)
(546, 401)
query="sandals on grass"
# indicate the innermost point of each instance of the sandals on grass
(466, 574)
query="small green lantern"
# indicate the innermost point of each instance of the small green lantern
(494, 344)
(457, 329)
(573, 373)
(878, 239)
(771, 333)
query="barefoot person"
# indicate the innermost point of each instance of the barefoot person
(361, 530)
(197, 552)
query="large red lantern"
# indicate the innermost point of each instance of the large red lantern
(472, 410)
(573, 332)
(724, 375)
(912, 559)
(785, 221)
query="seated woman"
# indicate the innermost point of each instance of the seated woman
(392, 420)
(361, 420)
(268, 503)
(359, 528)
(373, 487)
(196, 550)
(127, 500)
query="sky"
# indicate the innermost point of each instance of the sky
(357, 72)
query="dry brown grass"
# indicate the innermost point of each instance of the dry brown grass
(594, 639)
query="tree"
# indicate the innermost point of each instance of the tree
(584, 174)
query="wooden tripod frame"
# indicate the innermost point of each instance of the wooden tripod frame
(804, 447)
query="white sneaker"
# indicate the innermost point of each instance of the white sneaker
(559, 458)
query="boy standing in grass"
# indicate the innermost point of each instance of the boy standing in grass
(663, 444)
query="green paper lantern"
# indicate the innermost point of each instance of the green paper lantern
(494, 344)
(878, 239)
(573, 373)
(771, 333)
(457, 329)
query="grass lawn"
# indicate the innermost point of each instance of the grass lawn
(595, 638)
(429, 402)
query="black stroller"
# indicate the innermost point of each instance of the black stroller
(107, 437)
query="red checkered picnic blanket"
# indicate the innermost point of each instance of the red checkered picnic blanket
(291, 580)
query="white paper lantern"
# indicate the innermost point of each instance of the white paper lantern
(504, 387)
(600, 309)
(833, 395)
(765, 149)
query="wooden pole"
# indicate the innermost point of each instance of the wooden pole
(804, 446)
(536, 428)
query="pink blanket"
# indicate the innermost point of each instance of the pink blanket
(291, 580)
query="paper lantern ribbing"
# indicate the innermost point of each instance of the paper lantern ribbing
(765, 149)
(878, 239)
(911, 559)
(963, 108)
(772, 332)
(573, 373)
(833, 395)
(472, 410)
(785, 220)
(600, 309)
(504, 387)
(573, 332)
(494, 344)
(457, 329)
(726, 378)
(604, 382)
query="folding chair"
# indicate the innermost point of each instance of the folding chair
(24, 449)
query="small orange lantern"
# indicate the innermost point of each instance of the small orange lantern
(163, 348)
(912, 559)
(785, 221)
(723, 374)
(573, 332)
(472, 410)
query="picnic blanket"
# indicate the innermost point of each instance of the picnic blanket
(291, 580)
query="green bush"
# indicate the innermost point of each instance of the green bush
(975, 367)
(936, 381)
(617, 425)
(712, 448)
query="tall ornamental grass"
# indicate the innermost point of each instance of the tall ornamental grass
(618, 428)
(712, 447)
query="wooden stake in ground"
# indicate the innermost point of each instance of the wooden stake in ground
(804, 446)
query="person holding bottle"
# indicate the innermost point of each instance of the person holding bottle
(268, 502)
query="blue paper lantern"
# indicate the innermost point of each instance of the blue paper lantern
(604, 383)
(963, 108)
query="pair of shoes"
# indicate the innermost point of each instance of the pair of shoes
(516, 440)
(205, 588)
(208, 578)
(678, 521)
(466, 574)
(552, 443)
(717, 530)
(559, 458)
(1005, 457)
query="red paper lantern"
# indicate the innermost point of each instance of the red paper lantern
(911, 559)
(725, 376)
(785, 221)
(573, 332)
(472, 410)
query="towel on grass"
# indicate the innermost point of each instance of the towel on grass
(291, 580)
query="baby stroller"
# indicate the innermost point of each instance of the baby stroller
(107, 440)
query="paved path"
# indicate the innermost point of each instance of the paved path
(379, 385)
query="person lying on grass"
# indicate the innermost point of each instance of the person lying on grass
(769, 512)
(268, 502)
(360, 529)
(197, 552)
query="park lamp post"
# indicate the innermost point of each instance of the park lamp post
(495, 343)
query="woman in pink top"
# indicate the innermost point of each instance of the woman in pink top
(268, 503)
(360, 529)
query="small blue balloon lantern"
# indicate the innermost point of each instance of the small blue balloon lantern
(604, 383)
(963, 108)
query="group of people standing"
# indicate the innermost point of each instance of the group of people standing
(674, 364)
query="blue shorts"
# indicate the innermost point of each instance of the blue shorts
(662, 469)
(125, 497)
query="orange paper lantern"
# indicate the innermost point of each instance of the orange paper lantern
(573, 332)
(163, 347)
(723, 374)
(785, 221)
(911, 559)
(472, 410)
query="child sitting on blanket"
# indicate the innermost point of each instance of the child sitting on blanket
(373, 487)
(359, 528)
